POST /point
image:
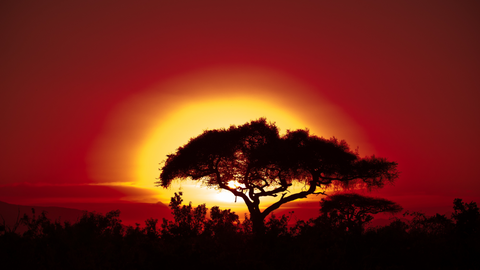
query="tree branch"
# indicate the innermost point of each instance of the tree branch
(235, 192)
(299, 195)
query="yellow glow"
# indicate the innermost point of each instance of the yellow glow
(147, 127)
(192, 119)
(235, 184)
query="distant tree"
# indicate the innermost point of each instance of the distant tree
(151, 229)
(93, 224)
(253, 161)
(430, 225)
(36, 226)
(188, 221)
(222, 222)
(278, 226)
(466, 217)
(351, 212)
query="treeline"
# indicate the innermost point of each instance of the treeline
(215, 238)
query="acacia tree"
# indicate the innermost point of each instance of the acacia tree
(351, 212)
(253, 161)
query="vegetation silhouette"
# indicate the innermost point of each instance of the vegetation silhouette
(260, 163)
(253, 161)
(216, 238)
(351, 212)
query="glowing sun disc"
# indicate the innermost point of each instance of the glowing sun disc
(192, 119)
(143, 130)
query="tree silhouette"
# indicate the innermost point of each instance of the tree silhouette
(253, 161)
(351, 212)
(432, 225)
(188, 221)
(466, 217)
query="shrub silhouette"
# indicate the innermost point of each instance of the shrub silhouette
(466, 217)
(216, 238)
(187, 220)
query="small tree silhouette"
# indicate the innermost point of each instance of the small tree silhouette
(188, 221)
(351, 212)
(36, 226)
(222, 222)
(253, 161)
(466, 217)
(432, 225)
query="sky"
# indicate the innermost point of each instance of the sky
(95, 94)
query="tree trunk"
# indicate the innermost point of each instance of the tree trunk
(258, 223)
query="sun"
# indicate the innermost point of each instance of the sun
(235, 184)
(192, 119)
(228, 197)
(147, 127)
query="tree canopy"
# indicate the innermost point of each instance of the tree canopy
(253, 161)
(351, 212)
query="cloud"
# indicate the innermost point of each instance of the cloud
(26, 193)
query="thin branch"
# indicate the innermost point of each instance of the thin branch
(283, 200)
(235, 192)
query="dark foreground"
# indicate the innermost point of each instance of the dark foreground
(222, 241)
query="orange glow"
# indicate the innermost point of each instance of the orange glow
(147, 127)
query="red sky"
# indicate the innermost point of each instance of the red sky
(86, 86)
